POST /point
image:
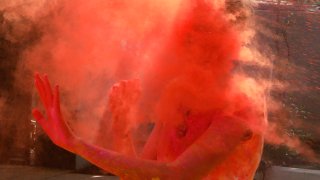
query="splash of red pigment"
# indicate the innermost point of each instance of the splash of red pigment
(181, 82)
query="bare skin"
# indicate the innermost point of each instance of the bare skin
(196, 162)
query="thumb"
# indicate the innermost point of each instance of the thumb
(39, 118)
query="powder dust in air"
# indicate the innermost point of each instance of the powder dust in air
(175, 57)
(142, 62)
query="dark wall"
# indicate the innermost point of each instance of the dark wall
(295, 43)
(18, 135)
(15, 114)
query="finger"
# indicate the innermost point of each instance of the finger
(40, 119)
(48, 90)
(56, 99)
(41, 90)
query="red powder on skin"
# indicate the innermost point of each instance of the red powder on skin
(183, 65)
(188, 86)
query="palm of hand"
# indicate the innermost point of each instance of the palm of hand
(122, 104)
(54, 125)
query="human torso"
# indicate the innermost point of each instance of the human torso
(241, 164)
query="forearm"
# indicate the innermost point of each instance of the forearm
(199, 160)
(122, 165)
(212, 148)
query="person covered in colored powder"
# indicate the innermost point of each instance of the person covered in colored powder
(216, 134)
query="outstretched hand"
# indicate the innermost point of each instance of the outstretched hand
(54, 125)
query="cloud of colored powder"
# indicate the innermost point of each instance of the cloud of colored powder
(87, 46)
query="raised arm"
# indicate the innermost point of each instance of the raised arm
(209, 150)
(61, 135)
(118, 121)
(54, 125)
